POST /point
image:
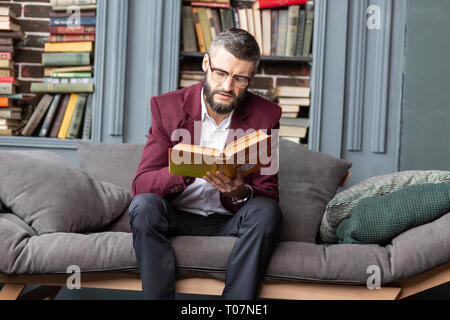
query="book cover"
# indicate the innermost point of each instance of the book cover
(87, 125)
(86, 46)
(66, 59)
(189, 41)
(77, 118)
(37, 115)
(292, 29)
(68, 116)
(250, 153)
(59, 116)
(50, 116)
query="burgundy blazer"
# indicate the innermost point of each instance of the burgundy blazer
(179, 109)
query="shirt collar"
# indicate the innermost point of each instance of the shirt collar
(225, 123)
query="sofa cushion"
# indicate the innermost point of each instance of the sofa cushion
(52, 195)
(308, 180)
(111, 162)
(341, 206)
(379, 219)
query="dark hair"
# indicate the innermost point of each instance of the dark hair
(239, 43)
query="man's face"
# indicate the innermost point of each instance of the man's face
(225, 96)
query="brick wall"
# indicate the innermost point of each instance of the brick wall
(33, 17)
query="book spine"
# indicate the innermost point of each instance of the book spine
(72, 30)
(292, 29)
(62, 87)
(198, 29)
(77, 118)
(6, 79)
(308, 33)
(83, 21)
(88, 119)
(50, 116)
(68, 116)
(71, 75)
(282, 32)
(59, 116)
(226, 19)
(274, 35)
(212, 27)
(7, 88)
(189, 42)
(216, 18)
(86, 46)
(258, 27)
(204, 22)
(37, 115)
(71, 2)
(210, 4)
(279, 3)
(71, 38)
(55, 14)
(301, 29)
(66, 59)
(5, 56)
(9, 49)
(80, 6)
(237, 23)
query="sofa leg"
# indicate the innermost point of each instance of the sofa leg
(11, 291)
(41, 293)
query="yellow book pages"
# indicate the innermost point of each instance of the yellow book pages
(86, 46)
(68, 116)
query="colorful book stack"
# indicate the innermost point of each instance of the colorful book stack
(65, 110)
(294, 103)
(284, 31)
(10, 113)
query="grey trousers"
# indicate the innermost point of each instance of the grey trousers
(154, 222)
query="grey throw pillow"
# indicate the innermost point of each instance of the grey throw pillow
(52, 195)
(308, 180)
(342, 205)
(113, 162)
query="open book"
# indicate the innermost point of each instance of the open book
(250, 153)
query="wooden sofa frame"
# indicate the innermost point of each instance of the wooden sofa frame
(50, 284)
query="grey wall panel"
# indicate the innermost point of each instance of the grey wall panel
(380, 103)
(426, 112)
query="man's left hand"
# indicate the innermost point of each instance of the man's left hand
(235, 188)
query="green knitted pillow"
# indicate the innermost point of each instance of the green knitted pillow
(379, 219)
(341, 206)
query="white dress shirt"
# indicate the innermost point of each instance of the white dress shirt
(200, 197)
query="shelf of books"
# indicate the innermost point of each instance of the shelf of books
(63, 108)
(284, 32)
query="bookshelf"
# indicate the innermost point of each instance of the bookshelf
(97, 57)
(292, 69)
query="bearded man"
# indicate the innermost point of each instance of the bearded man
(166, 205)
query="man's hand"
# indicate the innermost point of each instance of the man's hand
(235, 189)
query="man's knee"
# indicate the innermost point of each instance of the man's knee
(147, 210)
(264, 212)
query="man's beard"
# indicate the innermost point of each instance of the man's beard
(221, 108)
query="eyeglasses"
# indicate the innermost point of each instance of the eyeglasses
(221, 75)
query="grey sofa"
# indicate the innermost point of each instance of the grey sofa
(301, 267)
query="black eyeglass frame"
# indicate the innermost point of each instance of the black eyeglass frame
(228, 74)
